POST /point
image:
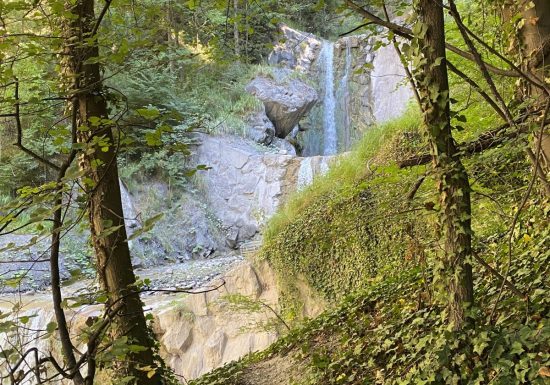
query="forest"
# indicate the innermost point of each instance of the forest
(265, 192)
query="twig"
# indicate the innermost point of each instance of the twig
(100, 17)
(405, 66)
(485, 141)
(509, 284)
(416, 186)
(355, 29)
(408, 34)
(520, 208)
(19, 142)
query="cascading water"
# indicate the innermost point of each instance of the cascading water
(330, 135)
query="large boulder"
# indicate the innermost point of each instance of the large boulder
(285, 104)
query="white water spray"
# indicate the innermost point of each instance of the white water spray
(330, 137)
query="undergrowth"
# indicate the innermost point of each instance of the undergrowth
(362, 240)
(354, 223)
(394, 331)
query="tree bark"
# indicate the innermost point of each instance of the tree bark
(535, 46)
(452, 178)
(106, 217)
(236, 28)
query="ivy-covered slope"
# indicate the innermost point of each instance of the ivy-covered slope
(393, 332)
(364, 238)
(351, 225)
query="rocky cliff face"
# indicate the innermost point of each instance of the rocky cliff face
(362, 74)
(246, 183)
(197, 332)
(204, 331)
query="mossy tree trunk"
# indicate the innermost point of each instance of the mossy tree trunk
(452, 179)
(99, 164)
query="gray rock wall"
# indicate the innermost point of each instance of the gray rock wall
(247, 183)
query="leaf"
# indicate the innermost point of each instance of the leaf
(51, 327)
(148, 113)
(516, 348)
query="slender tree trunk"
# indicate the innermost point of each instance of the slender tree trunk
(106, 218)
(535, 46)
(236, 28)
(452, 178)
(247, 28)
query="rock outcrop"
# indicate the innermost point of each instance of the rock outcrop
(368, 84)
(201, 332)
(297, 50)
(197, 332)
(261, 129)
(246, 183)
(285, 103)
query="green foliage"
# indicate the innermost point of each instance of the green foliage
(392, 333)
(349, 225)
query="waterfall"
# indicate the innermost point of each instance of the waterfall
(130, 214)
(330, 136)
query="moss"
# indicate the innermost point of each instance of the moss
(349, 225)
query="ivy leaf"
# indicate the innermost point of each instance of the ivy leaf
(148, 113)
(517, 348)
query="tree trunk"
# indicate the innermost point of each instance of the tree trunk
(452, 179)
(106, 218)
(236, 28)
(535, 45)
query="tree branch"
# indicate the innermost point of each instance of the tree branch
(408, 34)
(485, 141)
(101, 16)
(19, 126)
(57, 297)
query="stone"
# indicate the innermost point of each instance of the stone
(232, 238)
(243, 280)
(243, 197)
(282, 57)
(260, 128)
(390, 93)
(177, 328)
(214, 348)
(196, 303)
(285, 103)
(296, 50)
(284, 146)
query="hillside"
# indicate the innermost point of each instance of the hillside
(367, 251)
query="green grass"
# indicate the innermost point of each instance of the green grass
(347, 171)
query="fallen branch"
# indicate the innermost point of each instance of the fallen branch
(488, 140)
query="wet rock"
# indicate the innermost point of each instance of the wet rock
(283, 146)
